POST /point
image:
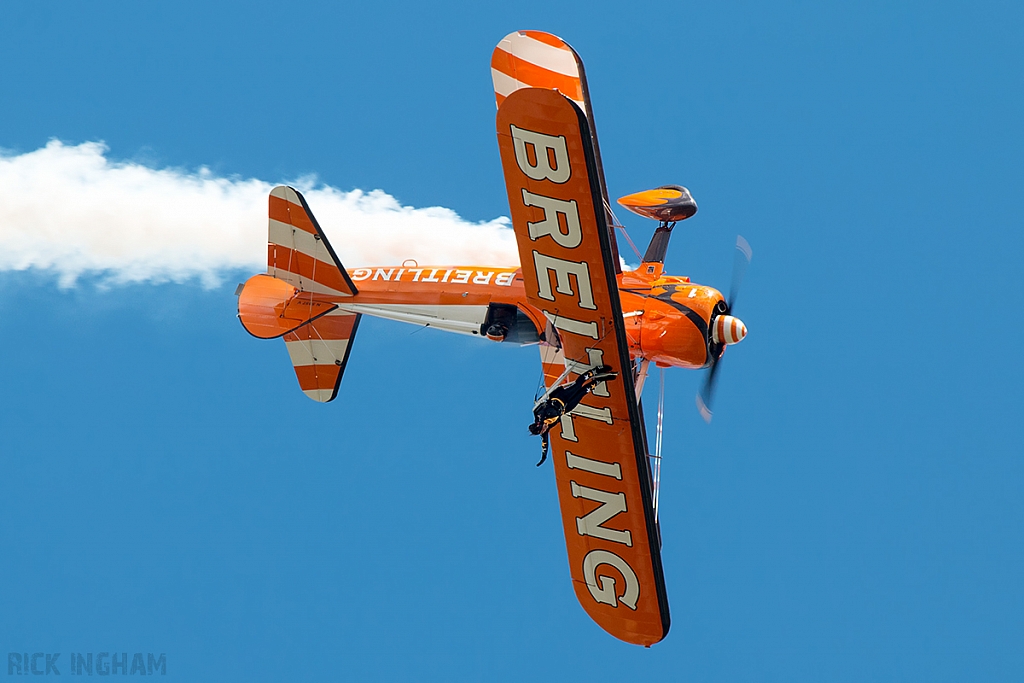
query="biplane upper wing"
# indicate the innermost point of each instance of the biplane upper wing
(535, 59)
(599, 454)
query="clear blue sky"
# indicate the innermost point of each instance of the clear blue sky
(853, 513)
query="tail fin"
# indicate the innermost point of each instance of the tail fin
(301, 265)
(297, 249)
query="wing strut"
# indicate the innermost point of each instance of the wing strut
(656, 458)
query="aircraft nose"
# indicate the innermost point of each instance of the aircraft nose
(728, 330)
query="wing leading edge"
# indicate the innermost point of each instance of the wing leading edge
(600, 460)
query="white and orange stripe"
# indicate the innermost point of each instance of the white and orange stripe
(534, 59)
(728, 329)
(297, 251)
(319, 351)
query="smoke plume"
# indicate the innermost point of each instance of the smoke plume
(70, 210)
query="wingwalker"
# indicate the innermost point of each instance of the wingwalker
(598, 327)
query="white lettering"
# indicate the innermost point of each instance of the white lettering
(542, 144)
(562, 270)
(605, 469)
(568, 428)
(604, 592)
(611, 504)
(592, 413)
(504, 279)
(596, 359)
(461, 277)
(418, 271)
(588, 329)
(382, 275)
(571, 237)
(361, 273)
(482, 278)
(432, 277)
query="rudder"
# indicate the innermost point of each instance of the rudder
(297, 249)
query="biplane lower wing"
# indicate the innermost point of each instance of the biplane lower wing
(600, 458)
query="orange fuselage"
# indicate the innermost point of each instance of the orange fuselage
(666, 317)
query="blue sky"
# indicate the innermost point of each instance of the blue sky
(854, 511)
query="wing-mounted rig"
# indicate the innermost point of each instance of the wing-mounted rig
(668, 205)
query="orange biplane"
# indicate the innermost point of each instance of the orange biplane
(569, 296)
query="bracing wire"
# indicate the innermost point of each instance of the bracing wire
(554, 385)
(620, 226)
(657, 441)
(632, 246)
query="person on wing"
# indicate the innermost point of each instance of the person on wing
(562, 400)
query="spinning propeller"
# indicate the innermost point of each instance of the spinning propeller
(725, 328)
(667, 205)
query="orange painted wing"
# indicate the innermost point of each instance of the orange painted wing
(599, 454)
(535, 59)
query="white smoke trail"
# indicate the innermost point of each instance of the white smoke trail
(70, 210)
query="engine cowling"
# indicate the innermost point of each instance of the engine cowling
(675, 324)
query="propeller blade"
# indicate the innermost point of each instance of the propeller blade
(739, 266)
(707, 391)
(741, 260)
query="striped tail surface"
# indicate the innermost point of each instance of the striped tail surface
(319, 351)
(297, 249)
(288, 301)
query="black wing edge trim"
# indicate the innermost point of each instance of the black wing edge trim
(591, 134)
(327, 243)
(344, 361)
(297, 327)
(639, 446)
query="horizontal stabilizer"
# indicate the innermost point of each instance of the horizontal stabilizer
(319, 352)
(269, 307)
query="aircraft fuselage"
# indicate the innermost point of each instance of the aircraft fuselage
(667, 317)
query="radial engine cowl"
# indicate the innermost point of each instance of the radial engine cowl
(728, 329)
